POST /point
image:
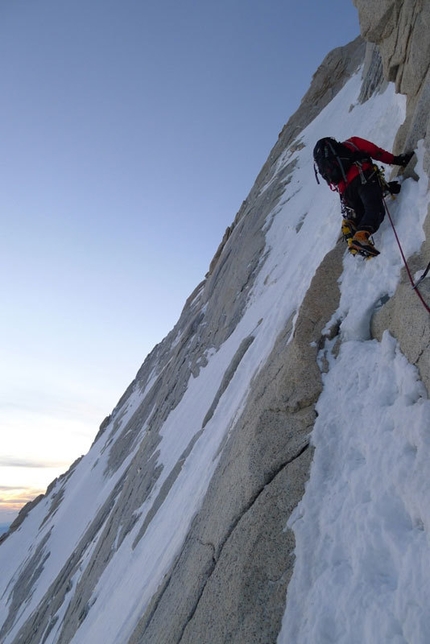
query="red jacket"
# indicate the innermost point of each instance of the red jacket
(372, 150)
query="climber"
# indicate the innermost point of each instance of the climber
(348, 168)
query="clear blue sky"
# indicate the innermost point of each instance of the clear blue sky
(131, 132)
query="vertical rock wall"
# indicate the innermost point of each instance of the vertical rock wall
(400, 29)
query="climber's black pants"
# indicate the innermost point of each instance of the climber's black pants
(366, 199)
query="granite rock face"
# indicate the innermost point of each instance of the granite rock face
(400, 29)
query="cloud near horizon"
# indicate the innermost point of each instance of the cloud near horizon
(13, 461)
(13, 499)
(23, 479)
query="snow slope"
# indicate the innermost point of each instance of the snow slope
(361, 527)
(363, 555)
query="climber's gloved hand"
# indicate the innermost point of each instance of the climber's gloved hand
(394, 187)
(403, 159)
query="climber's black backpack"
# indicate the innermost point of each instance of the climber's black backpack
(333, 160)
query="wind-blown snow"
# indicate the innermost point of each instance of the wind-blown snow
(361, 548)
(361, 573)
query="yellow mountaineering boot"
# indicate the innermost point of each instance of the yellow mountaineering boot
(348, 229)
(361, 244)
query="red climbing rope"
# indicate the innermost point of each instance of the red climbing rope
(414, 286)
